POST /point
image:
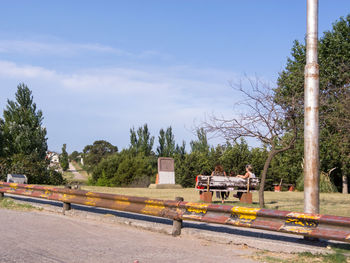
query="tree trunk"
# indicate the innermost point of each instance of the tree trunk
(272, 153)
(345, 184)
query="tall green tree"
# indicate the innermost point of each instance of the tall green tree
(64, 158)
(166, 142)
(334, 64)
(24, 142)
(23, 130)
(141, 140)
(201, 144)
(2, 139)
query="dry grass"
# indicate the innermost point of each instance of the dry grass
(332, 204)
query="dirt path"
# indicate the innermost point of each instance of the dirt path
(76, 174)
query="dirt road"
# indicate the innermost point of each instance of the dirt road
(42, 237)
(77, 175)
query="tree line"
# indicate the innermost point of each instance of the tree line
(136, 165)
(273, 115)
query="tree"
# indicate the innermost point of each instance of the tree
(264, 119)
(141, 141)
(74, 156)
(166, 141)
(23, 131)
(64, 158)
(181, 150)
(193, 164)
(94, 153)
(2, 139)
(236, 157)
(124, 169)
(201, 144)
(161, 141)
(24, 142)
(334, 64)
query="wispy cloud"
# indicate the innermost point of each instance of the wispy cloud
(61, 48)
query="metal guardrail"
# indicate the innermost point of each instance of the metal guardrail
(310, 225)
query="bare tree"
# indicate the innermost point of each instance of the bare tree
(261, 118)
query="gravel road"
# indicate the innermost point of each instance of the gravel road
(43, 237)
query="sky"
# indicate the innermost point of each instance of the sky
(99, 68)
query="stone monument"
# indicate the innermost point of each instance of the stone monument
(166, 171)
(166, 174)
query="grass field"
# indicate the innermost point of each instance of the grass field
(332, 204)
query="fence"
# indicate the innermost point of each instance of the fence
(310, 225)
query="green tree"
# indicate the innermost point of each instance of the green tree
(64, 158)
(2, 139)
(181, 150)
(124, 169)
(74, 156)
(24, 142)
(23, 131)
(201, 144)
(94, 153)
(141, 140)
(334, 64)
(166, 142)
(236, 157)
(192, 165)
(161, 142)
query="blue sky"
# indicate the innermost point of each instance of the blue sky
(98, 68)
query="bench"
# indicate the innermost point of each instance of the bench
(206, 185)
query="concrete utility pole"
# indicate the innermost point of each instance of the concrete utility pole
(311, 115)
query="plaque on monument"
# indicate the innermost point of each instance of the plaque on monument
(166, 171)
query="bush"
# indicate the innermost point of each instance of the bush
(124, 169)
(326, 185)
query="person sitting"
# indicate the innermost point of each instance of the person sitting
(249, 174)
(219, 171)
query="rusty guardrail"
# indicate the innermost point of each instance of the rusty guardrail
(310, 225)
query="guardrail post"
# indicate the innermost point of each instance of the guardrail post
(177, 224)
(66, 206)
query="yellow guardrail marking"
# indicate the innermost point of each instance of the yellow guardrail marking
(152, 209)
(122, 204)
(296, 229)
(92, 201)
(243, 215)
(196, 208)
(46, 193)
(303, 216)
(13, 185)
(66, 197)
